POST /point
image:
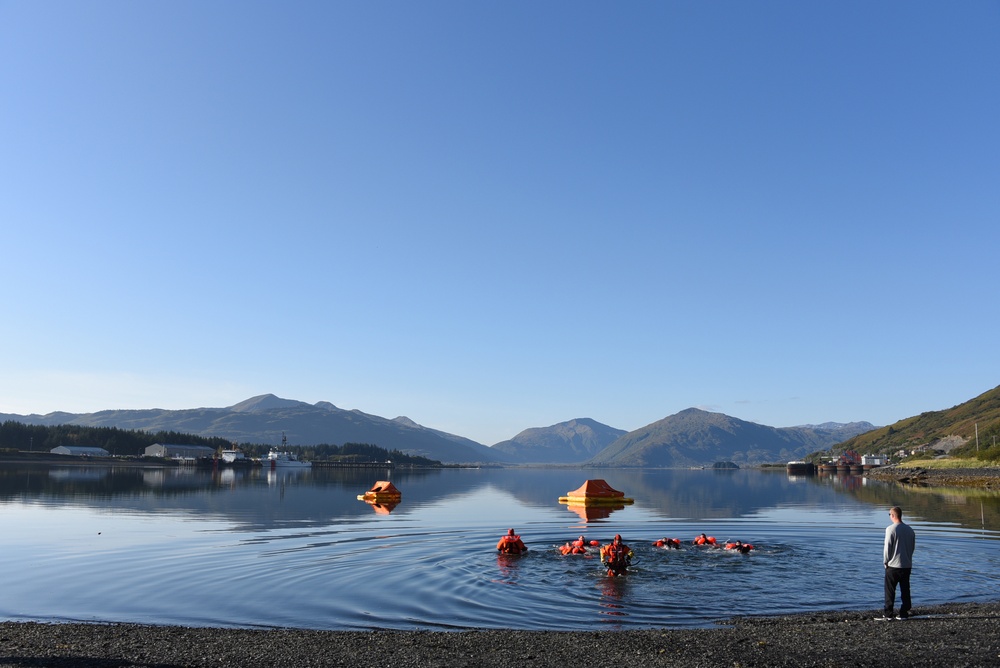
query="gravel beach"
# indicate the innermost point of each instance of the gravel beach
(965, 634)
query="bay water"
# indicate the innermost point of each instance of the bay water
(296, 548)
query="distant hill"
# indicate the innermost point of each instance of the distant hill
(569, 442)
(264, 419)
(689, 438)
(695, 437)
(946, 429)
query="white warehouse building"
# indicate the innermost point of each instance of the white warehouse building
(80, 451)
(179, 451)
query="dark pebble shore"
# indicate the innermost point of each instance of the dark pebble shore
(966, 634)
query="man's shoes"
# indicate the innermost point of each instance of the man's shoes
(902, 617)
(884, 618)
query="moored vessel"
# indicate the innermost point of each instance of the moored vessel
(800, 467)
(283, 458)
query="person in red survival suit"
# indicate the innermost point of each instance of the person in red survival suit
(739, 546)
(511, 544)
(669, 543)
(617, 556)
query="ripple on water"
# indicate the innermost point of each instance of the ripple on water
(310, 555)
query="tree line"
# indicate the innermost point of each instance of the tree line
(119, 442)
(133, 443)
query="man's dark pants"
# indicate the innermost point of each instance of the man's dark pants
(894, 576)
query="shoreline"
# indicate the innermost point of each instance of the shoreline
(985, 477)
(953, 634)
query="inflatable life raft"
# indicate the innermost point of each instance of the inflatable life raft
(595, 493)
(381, 492)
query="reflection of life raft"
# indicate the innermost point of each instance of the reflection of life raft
(591, 513)
(595, 493)
(381, 492)
(382, 508)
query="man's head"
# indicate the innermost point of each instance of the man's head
(896, 514)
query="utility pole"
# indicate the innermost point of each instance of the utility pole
(977, 437)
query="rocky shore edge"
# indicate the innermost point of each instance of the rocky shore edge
(986, 478)
(957, 634)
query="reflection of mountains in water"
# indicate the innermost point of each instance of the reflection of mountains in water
(673, 493)
(970, 508)
(729, 493)
(254, 496)
(264, 498)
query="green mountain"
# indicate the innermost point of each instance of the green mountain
(268, 419)
(695, 437)
(568, 442)
(945, 429)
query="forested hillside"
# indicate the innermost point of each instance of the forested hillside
(119, 442)
(962, 422)
(125, 443)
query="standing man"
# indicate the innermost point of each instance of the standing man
(897, 556)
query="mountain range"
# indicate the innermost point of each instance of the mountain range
(695, 437)
(692, 437)
(565, 443)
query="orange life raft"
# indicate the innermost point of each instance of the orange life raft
(595, 493)
(381, 492)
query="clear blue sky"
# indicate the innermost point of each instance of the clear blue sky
(491, 216)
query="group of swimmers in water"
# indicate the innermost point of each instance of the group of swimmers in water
(616, 555)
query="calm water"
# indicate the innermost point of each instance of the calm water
(297, 549)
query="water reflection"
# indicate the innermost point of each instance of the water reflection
(382, 508)
(275, 497)
(507, 567)
(153, 540)
(594, 513)
(613, 591)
